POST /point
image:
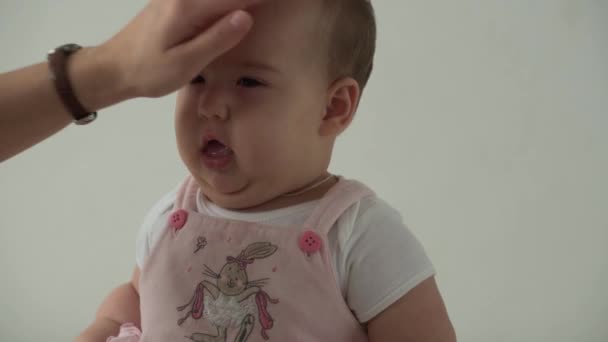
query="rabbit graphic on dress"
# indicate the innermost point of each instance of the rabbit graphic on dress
(233, 301)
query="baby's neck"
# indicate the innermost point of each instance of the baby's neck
(284, 202)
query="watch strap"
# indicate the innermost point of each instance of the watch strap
(58, 60)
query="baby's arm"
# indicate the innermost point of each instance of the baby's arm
(419, 316)
(120, 306)
(390, 284)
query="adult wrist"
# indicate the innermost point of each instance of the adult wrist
(96, 79)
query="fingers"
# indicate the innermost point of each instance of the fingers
(215, 41)
(196, 12)
(216, 8)
(183, 36)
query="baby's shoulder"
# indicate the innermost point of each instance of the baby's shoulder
(160, 209)
(370, 215)
(371, 208)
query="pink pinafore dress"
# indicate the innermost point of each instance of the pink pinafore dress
(211, 279)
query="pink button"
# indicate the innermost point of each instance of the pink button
(310, 242)
(178, 219)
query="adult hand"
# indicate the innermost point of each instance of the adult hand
(161, 49)
(170, 41)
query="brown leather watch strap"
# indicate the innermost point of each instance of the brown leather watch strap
(58, 59)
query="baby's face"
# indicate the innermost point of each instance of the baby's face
(248, 127)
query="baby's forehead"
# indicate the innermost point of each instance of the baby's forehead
(279, 62)
(280, 19)
(285, 29)
(288, 9)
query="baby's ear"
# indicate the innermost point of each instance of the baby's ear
(342, 101)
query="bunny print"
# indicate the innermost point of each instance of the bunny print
(232, 300)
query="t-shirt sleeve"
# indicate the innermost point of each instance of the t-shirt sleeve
(384, 260)
(152, 226)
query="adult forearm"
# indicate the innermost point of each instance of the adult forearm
(30, 109)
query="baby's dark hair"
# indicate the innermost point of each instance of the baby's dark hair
(350, 32)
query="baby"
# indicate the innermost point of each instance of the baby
(261, 242)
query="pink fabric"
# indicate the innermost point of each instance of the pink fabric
(128, 333)
(199, 302)
(280, 287)
(242, 262)
(261, 299)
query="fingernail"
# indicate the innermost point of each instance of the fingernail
(239, 19)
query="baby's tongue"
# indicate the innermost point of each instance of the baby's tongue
(217, 149)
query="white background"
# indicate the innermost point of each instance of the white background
(484, 123)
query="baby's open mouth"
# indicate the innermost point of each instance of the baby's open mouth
(215, 149)
(216, 155)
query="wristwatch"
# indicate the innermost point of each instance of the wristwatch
(57, 60)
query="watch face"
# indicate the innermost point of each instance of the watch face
(67, 49)
(71, 47)
(87, 119)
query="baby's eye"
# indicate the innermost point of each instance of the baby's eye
(198, 79)
(249, 82)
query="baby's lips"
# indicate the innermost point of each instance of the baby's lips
(210, 136)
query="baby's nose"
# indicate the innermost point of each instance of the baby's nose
(213, 104)
(217, 114)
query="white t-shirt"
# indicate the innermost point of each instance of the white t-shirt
(376, 258)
